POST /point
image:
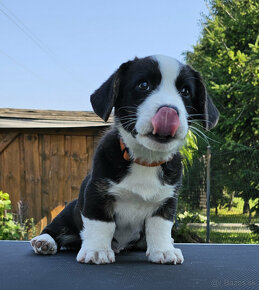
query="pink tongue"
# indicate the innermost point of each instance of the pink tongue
(165, 122)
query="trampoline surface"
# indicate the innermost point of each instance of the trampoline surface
(205, 267)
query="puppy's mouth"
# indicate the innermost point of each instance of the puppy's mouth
(160, 139)
(165, 124)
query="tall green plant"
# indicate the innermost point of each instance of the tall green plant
(9, 229)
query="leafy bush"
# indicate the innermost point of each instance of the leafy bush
(182, 233)
(190, 217)
(255, 229)
(9, 228)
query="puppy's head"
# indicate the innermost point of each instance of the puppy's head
(154, 97)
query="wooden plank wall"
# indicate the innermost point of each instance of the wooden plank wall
(45, 171)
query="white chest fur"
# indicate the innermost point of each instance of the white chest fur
(138, 195)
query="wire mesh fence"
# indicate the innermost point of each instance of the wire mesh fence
(232, 181)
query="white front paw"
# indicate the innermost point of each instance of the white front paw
(171, 256)
(102, 256)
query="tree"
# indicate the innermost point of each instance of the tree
(227, 55)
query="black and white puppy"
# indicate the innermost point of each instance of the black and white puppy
(129, 198)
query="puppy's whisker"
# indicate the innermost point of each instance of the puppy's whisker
(191, 107)
(192, 78)
(197, 121)
(200, 133)
(128, 107)
(128, 125)
(129, 119)
(197, 124)
(128, 116)
(194, 115)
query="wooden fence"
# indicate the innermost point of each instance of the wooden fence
(44, 172)
(42, 169)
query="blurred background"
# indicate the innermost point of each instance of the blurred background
(54, 54)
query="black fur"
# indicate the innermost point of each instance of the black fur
(172, 170)
(65, 227)
(168, 209)
(108, 165)
(199, 105)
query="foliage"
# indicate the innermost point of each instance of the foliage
(189, 149)
(235, 215)
(227, 55)
(184, 232)
(181, 231)
(229, 237)
(193, 183)
(190, 217)
(255, 229)
(10, 229)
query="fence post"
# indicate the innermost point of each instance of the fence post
(208, 193)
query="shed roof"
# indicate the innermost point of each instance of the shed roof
(26, 118)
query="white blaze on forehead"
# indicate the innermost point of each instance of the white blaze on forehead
(169, 68)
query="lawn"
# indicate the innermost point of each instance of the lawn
(223, 233)
(229, 237)
(235, 215)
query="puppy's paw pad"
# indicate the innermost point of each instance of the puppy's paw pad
(44, 244)
(172, 256)
(95, 256)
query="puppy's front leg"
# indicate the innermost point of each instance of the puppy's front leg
(96, 242)
(159, 242)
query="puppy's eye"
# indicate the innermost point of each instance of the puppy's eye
(144, 86)
(185, 92)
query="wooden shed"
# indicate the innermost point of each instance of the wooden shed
(44, 156)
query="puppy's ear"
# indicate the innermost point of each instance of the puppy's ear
(104, 98)
(211, 114)
(204, 104)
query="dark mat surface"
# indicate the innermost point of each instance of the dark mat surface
(205, 267)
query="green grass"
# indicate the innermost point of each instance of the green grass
(235, 215)
(229, 237)
(232, 218)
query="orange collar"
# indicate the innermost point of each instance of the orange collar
(127, 157)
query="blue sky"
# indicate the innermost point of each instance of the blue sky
(64, 50)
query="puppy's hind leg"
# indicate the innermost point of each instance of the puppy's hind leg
(60, 232)
(44, 244)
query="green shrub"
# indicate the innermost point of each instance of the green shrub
(255, 229)
(191, 217)
(9, 228)
(182, 233)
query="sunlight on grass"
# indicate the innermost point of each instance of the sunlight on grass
(235, 215)
(229, 234)
(229, 237)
